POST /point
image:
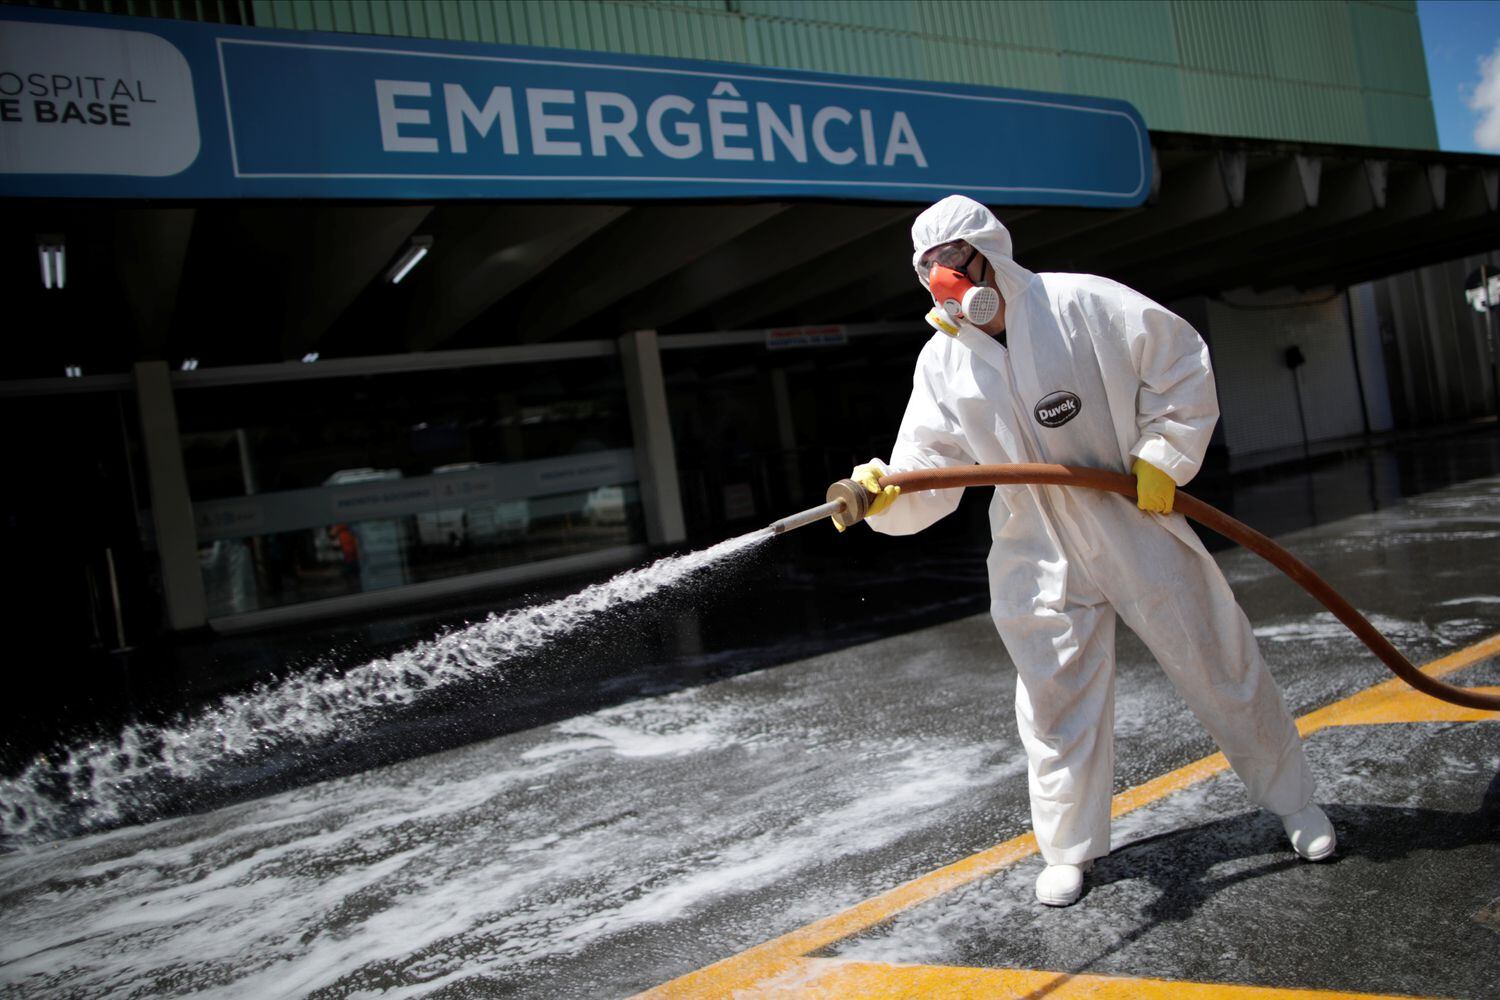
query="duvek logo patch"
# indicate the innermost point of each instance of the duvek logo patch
(1057, 409)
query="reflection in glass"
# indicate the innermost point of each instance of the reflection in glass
(309, 490)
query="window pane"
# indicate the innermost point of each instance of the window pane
(325, 487)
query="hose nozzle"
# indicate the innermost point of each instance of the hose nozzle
(848, 503)
(854, 501)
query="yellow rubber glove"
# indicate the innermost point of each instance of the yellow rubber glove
(868, 476)
(1154, 489)
(940, 320)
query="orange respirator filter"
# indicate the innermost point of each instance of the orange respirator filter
(961, 297)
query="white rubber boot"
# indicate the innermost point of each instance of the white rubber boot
(1310, 832)
(1061, 885)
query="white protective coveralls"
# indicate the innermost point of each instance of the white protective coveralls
(1064, 562)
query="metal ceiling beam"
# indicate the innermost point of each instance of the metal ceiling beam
(773, 248)
(890, 291)
(886, 252)
(1048, 228)
(150, 249)
(482, 254)
(1305, 258)
(1461, 222)
(346, 249)
(320, 259)
(1350, 194)
(1189, 193)
(1273, 192)
(643, 247)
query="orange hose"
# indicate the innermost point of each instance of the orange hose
(1211, 517)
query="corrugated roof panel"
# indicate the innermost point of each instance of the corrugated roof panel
(1224, 37)
(894, 15)
(1313, 41)
(781, 9)
(1223, 105)
(492, 23)
(1319, 112)
(1312, 70)
(1401, 121)
(388, 17)
(635, 32)
(768, 41)
(616, 25)
(1389, 48)
(393, 17)
(576, 25)
(437, 17)
(952, 61)
(1127, 30)
(1027, 23)
(1155, 90)
(428, 17)
(361, 18)
(450, 20)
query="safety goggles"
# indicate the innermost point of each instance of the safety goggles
(957, 255)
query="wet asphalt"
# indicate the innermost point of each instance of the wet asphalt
(615, 848)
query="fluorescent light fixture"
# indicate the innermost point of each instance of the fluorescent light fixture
(50, 251)
(73, 371)
(416, 249)
(310, 357)
(189, 364)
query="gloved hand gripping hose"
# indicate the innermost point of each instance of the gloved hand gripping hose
(1210, 517)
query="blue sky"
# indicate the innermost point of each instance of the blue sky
(1459, 35)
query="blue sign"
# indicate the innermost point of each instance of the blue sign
(101, 106)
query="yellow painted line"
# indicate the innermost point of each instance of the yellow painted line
(1394, 701)
(1174, 781)
(764, 961)
(741, 973)
(841, 979)
(1403, 705)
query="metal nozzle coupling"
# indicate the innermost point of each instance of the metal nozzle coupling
(848, 503)
(855, 500)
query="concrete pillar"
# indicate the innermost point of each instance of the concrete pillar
(655, 455)
(171, 505)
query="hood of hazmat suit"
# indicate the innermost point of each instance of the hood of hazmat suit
(1091, 373)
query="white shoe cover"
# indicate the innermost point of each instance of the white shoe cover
(1310, 832)
(1061, 885)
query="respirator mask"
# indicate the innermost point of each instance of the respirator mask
(947, 278)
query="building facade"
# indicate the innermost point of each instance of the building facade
(261, 404)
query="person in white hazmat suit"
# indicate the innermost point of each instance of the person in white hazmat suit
(1080, 370)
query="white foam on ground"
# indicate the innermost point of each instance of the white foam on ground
(1324, 627)
(99, 784)
(623, 732)
(479, 862)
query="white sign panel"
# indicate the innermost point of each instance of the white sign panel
(93, 101)
(99, 106)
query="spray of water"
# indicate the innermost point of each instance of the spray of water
(99, 784)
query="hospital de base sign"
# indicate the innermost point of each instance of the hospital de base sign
(117, 107)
